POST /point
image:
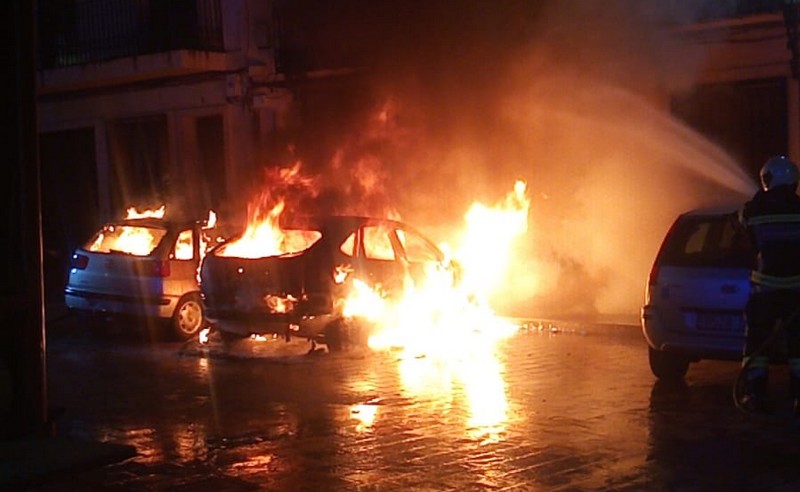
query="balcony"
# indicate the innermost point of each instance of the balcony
(87, 43)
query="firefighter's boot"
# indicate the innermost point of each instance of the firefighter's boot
(794, 374)
(756, 374)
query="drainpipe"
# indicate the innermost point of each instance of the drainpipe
(791, 18)
(23, 347)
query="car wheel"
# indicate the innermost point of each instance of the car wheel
(188, 319)
(667, 366)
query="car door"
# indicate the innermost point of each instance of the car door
(184, 259)
(421, 256)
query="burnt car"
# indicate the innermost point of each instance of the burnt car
(142, 267)
(295, 290)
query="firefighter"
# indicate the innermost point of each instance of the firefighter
(772, 220)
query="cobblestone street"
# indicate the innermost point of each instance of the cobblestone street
(568, 408)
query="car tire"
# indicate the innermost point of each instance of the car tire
(667, 366)
(189, 317)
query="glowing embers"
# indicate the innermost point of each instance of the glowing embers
(280, 304)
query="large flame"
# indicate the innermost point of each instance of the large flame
(263, 234)
(448, 330)
(435, 312)
(129, 239)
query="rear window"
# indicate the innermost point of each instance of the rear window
(264, 241)
(126, 239)
(707, 241)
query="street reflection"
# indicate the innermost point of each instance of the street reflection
(365, 414)
(474, 382)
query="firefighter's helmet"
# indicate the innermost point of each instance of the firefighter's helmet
(778, 171)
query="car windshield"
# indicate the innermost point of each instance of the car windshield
(127, 239)
(707, 241)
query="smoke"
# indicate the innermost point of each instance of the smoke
(568, 95)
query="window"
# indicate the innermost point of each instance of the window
(349, 245)
(377, 245)
(184, 246)
(127, 239)
(417, 249)
(707, 242)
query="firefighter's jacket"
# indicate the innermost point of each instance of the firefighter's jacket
(772, 219)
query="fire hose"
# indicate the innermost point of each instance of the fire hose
(741, 378)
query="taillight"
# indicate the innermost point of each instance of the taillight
(652, 280)
(79, 262)
(154, 268)
(161, 268)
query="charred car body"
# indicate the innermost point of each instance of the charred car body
(144, 267)
(296, 291)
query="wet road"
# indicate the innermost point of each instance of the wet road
(569, 409)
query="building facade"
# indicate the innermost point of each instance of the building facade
(146, 102)
(183, 102)
(747, 94)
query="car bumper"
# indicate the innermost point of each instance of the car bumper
(156, 307)
(244, 326)
(693, 345)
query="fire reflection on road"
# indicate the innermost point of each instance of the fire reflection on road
(473, 381)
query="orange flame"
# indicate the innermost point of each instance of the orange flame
(434, 314)
(263, 235)
(156, 213)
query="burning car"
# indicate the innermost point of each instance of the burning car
(294, 281)
(143, 265)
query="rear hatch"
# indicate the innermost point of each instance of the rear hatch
(701, 280)
(247, 276)
(121, 262)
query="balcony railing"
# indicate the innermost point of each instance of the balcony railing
(74, 32)
(699, 11)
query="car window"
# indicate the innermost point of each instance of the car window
(377, 245)
(184, 246)
(715, 241)
(417, 248)
(127, 239)
(348, 247)
(261, 242)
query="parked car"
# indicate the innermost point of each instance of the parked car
(295, 291)
(145, 267)
(697, 291)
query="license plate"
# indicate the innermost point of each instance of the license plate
(714, 322)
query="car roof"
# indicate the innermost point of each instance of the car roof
(153, 222)
(722, 209)
(343, 220)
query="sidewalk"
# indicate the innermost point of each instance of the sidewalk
(27, 461)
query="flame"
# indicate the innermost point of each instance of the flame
(156, 213)
(447, 330)
(263, 235)
(485, 249)
(204, 335)
(132, 240)
(436, 312)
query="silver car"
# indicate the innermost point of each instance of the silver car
(697, 291)
(141, 267)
